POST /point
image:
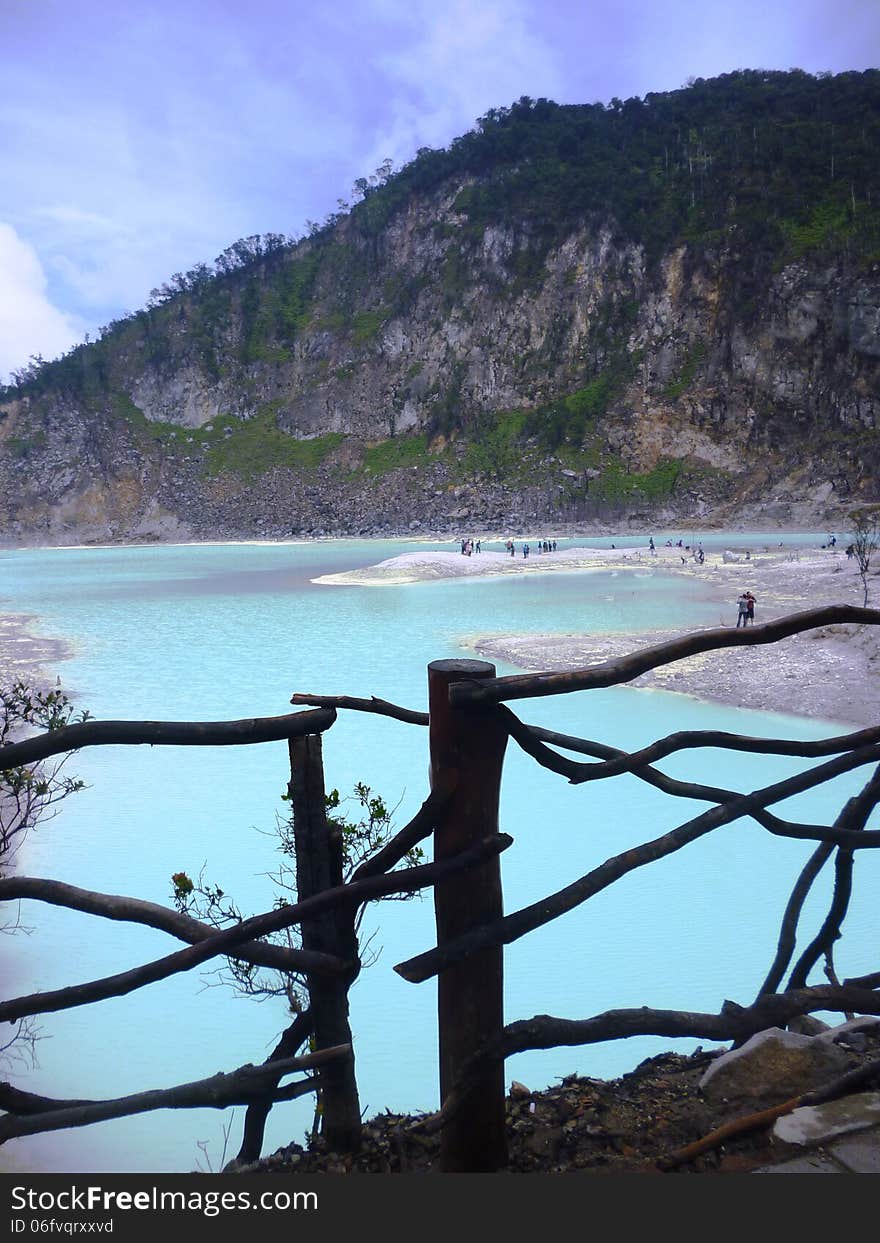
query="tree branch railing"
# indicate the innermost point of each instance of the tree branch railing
(848, 834)
(469, 724)
(164, 734)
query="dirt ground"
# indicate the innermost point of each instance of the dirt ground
(630, 1125)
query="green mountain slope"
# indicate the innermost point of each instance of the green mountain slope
(666, 307)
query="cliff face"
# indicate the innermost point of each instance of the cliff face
(439, 373)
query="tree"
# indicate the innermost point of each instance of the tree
(320, 849)
(29, 794)
(865, 541)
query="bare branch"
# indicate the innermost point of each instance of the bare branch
(853, 816)
(526, 736)
(732, 1023)
(165, 733)
(860, 809)
(258, 925)
(258, 1111)
(379, 706)
(512, 927)
(134, 910)
(628, 762)
(626, 668)
(240, 1087)
(788, 930)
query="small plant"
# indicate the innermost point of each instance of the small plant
(29, 792)
(865, 541)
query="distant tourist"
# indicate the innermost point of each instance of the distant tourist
(751, 601)
(651, 546)
(525, 550)
(742, 618)
(477, 548)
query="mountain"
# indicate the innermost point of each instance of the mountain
(653, 310)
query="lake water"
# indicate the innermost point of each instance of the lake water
(216, 632)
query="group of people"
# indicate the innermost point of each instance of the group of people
(697, 553)
(469, 547)
(543, 545)
(746, 610)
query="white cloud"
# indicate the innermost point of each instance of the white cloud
(29, 323)
(461, 60)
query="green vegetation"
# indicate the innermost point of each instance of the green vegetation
(251, 447)
(743, 157)
(571, 419)
(243, 447)
(685, 376)
(616, 484)
(395, 452)
(291, 295)
(495, 448)
(366, 325)
(22, 447)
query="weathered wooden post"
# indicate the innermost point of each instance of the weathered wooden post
(319, 866)
(468, 743)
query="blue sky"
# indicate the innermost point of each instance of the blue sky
(137, 139)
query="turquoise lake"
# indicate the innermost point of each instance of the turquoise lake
(213, 632)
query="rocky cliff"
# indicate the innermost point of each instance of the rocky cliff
(658, 310)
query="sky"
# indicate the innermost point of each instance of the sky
(139, 139)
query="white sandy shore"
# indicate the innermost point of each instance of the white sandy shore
(425, 564)
(27, 655)
(832, 674)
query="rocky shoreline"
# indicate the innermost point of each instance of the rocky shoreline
(831, 674)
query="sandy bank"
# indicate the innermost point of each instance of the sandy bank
(27, 655)
(424, 565)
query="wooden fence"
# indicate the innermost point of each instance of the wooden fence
(469, 728)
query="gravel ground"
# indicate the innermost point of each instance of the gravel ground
(630, 1125)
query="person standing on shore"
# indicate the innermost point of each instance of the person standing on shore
(751, 603)
(742, 618)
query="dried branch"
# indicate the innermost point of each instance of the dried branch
(240, 1087)
(379, 706)
(137, 911)
(525, 735)
(842, 1086)
(512, 927)
(853, 816)
(628, 762)
(165, 733)
(258, 1111)
(626, 668)
(222, 942)
(788, 930)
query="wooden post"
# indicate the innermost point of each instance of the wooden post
(469, 994)
(319, 866)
